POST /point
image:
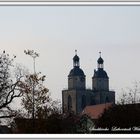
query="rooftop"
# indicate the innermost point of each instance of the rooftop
(95, 111)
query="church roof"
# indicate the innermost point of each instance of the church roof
(100, 73)
(95, 111)
(76, 71)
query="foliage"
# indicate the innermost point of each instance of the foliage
(120, 116)
(56, 123)
(41, 96)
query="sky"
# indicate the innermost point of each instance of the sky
(56, 31)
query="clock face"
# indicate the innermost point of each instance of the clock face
(82, 79)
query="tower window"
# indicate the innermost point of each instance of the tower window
(83, 104)
(69, 103)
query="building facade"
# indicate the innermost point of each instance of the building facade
(77, 97)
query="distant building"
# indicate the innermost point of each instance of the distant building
(96, 111)
(92, 113)
(77, 97)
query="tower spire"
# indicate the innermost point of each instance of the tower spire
(100, 61)
(76, 59)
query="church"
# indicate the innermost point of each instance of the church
(77, 97)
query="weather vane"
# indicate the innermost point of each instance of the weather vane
(75, 52)
(100, 53)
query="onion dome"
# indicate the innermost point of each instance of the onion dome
(100, 73)
(76, 71)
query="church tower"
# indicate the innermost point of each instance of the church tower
(76, 77)
(77, 97)
(74, 98)
(100, 84)
(100, 79)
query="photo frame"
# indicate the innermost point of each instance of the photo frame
(69, 3)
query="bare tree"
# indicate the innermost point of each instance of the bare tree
(9, 88)
(130, 95)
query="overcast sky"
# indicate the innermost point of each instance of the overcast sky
(56, 31)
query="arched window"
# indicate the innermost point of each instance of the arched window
(107, 100)
(69, 103)
(83, 102)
